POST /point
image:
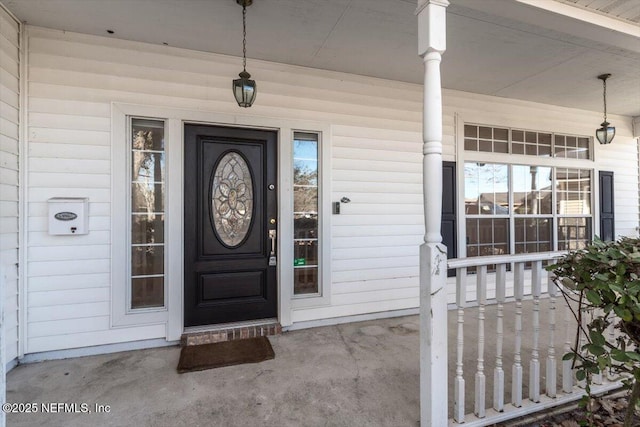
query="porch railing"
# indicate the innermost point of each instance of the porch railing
(526, 377)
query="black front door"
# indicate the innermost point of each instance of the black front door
(230, 208)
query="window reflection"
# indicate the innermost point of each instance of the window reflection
(147, 228)
(531, 216)
(486, 236)
(148, 167)
(147, 292)
(486, 189)
(573, 233)
(305, 225)
(147, 197)
(533, 235)
(532, 190)
(573, 189)
(572, 147)
(487, 139)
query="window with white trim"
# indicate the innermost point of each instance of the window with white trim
(147, 208)
(524, 205)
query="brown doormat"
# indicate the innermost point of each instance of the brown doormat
(228, 353)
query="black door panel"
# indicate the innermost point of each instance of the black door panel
(227, 217)
(448, 225)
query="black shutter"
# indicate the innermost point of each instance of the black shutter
(448, 227)
(607, 217)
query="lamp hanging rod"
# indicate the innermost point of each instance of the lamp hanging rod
(244, 38)
(604, 78)
(244, 4)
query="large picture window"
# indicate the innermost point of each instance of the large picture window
(525, 208)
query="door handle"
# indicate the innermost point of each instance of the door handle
(272, 237)
(272, 256)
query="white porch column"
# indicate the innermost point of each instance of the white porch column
(433, 255)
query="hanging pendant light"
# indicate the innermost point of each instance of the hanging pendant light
(244, 89)
(605, 133)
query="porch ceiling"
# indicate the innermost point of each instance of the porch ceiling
(622, 9)
(520, 49)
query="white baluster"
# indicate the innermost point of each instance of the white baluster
(551, 353)
(480, 406)
(534, 364)
(567, 372)
(498, 372)
(461, 300)
(518, 291)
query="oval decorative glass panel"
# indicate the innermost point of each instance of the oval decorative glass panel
(232, 199)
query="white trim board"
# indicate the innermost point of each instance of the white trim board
(24, 186)
(10, 365)
(351, 319)
(96, 350)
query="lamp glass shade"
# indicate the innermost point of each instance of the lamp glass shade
(245, 90)
(605, 134)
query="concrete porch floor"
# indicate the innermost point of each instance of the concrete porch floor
(354, 374)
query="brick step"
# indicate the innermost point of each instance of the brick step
(230, 331)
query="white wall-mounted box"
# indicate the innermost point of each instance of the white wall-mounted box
(68, 215)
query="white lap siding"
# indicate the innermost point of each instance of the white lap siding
(375, 238)
(73, 81)
(9, 179)
(376, 162)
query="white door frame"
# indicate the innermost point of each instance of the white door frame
(175, 119)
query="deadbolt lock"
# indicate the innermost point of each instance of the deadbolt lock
(272, 221)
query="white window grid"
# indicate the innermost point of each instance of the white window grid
(132, 214)
(554, 216)
(491, 139)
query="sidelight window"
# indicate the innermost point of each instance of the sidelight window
(147, 266)
(305, 215)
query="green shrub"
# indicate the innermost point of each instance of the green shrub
(602, 286)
